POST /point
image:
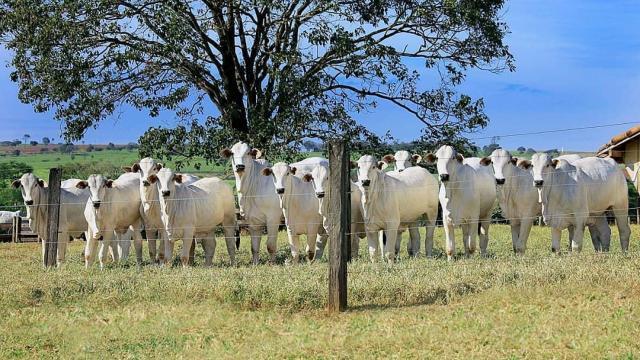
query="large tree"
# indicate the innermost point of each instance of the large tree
(276, 71)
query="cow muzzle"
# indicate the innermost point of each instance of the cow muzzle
(400, 170)
(538, 183)
(320, 194)
(28, 202)
(166, 193)
(96, 204)
(500, 181)
(444, 177)
(280, 191)
(239, 168)
(366, 182)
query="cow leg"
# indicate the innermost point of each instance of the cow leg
(525, 230)
(484, 237)
(578, 235)
(465, 239)
(293, 244)
(187, 242)
(311, 242)
(572, 231)
(229, 230)
(321, 238)
(124, 245)
(399, 241)
(390, 248)
(209, 243)
(63, 239)
(90, 249)
(107, 241)
(152, 243)
(162, 246)
(372, 239)
(255, 244)
(428, 239)
(624, 231)
(44, 252)
(137, 243)
(515, 235)
(414, 235)
(605, 234)
(450, 239)
(594, 232)
(556, 235)
(272, 239)
(168, 249)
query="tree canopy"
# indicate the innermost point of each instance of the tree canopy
(277, 72)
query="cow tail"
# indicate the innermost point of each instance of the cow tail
(237, 236)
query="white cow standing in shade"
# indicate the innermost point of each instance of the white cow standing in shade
(467, 197)
(391, 203)
(259, 203)
(196, 210)
(578, 195)
(299, 207)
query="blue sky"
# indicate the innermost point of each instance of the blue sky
(578, 64)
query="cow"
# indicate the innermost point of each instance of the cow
(196, 210)
(402, 160)
(319, 178)
(257, 198)
(307, 165)
(579, 194)
(112, 210)
(391, 203)
(71, 221)
(467, 196)
(150, 206)
(517, 197)
(299, 207)
(6, 219)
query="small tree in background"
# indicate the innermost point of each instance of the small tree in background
(46, 141)
(522, 149)
(33, 143)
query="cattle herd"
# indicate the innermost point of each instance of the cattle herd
(569, 192)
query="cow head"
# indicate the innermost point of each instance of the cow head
(447, 160)
(281, 173)
(368, 170)
(543, 167)
(146, 167)
(500, 159)
(404, 160)
(98, 186)
(241, 156)
(31, 188)
(166, 181)
(319, 177)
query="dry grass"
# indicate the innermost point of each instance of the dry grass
(539, 306)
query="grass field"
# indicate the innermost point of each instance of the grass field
(538, 306)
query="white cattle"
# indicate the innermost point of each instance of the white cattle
(150, 206)
(467, 196)
(72, 200)
(299, 207)
(319, 178)
(579, 194)
(6, 219)
(196, 210)
(391, 203)
(257, 198)
(307, 165)
(112, 210)
(517, 197)
(570, 158)
(402, 160)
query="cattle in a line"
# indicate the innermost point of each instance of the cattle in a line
(257, 198)
(112, 211)
(392, 203)
(402, 160)
(72, 223)
(307, 165)
(299, 206)
(196, 210)
(467, 196)
(319, 178)
(578, 194)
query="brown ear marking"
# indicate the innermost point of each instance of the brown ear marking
(226, 153)
(177, 178)
(255, 153)
(485, 161)
(127, 169)
(380, 165)
(514, 160)
(267, 172)
(388, 159)
(152, 178)
(416, 158)
(293, 170)
(135, 167)
(459, 157)
(16, 183)
(307, 177)
(554, 163)
(82, 184)
(353, 164)
(158, 166)
(431, 158)
(109, 183)
(41, 182)
(524, 164)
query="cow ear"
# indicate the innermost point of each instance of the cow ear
(388, 159)
(485, 161)
(109, 183)
(152, 178)
(353, 164)
(430, 158)
(177, 178)
(127, 169)
(382, 165)
(293, 170)
(255, 153)
(554, 163)
(82, 184)
(416, 159)
(459, 157)
(525, 164)
(158, 166)
(267, 171)
(307, 177)
(514, 160)
(226, 153)
(16, 183)
(135, 167)
(41, 183)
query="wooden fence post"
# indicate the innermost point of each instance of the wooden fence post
(53, 217)
(339, 220)
(17, 229)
